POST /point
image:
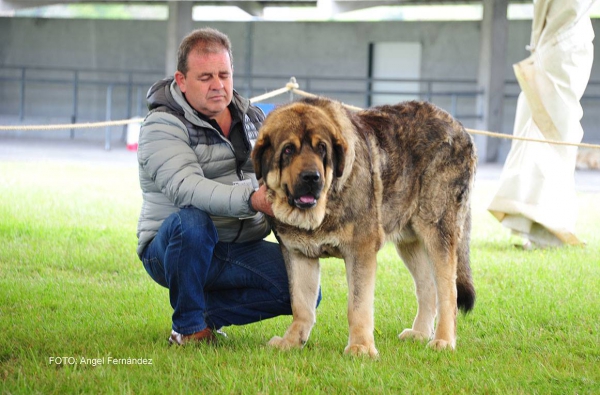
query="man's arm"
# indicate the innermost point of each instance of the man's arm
(166, 156)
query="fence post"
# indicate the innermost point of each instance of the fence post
(368, 90)
(75, 101)
(138, 102)
(249, 59)
(22, 104)
(129, 96)
(453, 105)
(107, 136)
(293, 80)
(429, 91)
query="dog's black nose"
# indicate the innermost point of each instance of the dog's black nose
(310, 176)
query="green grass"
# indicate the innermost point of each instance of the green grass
(72, 286)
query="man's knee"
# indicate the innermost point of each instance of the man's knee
(197, 226)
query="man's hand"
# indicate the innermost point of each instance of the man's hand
(259, 201)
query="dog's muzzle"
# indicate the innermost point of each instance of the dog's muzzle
(307, 190)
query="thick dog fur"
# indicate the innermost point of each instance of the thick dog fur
(344, 183)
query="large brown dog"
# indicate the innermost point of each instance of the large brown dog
(343, 183)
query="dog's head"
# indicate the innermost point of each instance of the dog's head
(300, 151)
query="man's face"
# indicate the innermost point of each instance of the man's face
(208, 84)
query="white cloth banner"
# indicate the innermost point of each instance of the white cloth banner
(537, 186)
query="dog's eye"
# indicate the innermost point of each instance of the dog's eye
(322, 148)
(289, 149)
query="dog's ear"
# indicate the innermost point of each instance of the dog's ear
(339, 156)
(261, 156)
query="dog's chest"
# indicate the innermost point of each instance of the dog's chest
(312, 246)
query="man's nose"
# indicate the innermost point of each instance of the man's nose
(217, 84)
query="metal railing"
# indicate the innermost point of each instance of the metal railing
(363, 91)
(29, 87)
(78, 94)
(125, 90)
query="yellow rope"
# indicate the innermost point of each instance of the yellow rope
(291, 86)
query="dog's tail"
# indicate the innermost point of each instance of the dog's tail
(464, 281)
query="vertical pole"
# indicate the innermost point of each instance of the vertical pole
(107, 135)
(75, 100)
(249, 59)
(129, 97)
(180, 23)
(453, 105)
(172, 39)
(22, 104)
(138, 101)
(370, 76)
(429, 91)
(492, 70)
(293, 81)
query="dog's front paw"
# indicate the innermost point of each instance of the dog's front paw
(440, 344)
(411, 334)
(361, 349)
(282, 343)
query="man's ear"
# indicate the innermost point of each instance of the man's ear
(180, 79)
(261, 156)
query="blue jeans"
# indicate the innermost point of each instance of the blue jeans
(211, 283)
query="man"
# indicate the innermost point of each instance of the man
(201, 226)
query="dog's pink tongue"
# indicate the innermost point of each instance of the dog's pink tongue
(307, 199)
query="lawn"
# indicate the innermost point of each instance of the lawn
(80, 315)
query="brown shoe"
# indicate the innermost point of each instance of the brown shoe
(204, 336)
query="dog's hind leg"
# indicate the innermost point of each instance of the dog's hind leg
(442, 255)
(415, 259)
(304, 279)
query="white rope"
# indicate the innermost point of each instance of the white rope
(90, 125)
(291, 86)
(306, 94)
(481, 132)
(506, 136)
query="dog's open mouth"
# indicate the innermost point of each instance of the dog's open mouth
(306, 201)
(304, 198)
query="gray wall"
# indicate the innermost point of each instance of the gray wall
(450, 50)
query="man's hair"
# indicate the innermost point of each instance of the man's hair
(206, 40)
